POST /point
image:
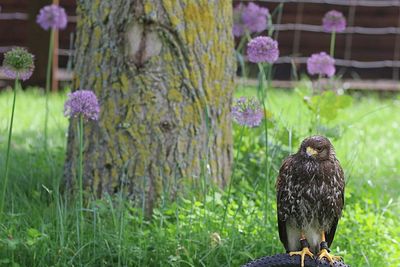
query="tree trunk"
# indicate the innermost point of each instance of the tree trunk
(163, 72)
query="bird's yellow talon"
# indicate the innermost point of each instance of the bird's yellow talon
(331, 258)
(302, 253)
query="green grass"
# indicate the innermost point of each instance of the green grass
(40, 226)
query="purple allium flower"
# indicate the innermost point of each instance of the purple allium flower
(82, 102)
(322, 64)
(52, 16)
(334, 21)
(22, 75)
(251, 17)
(255, 17)
(18, 63)
(238, 27)
(247, 112)
(262, 49)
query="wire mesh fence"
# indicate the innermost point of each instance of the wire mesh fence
(369, 48)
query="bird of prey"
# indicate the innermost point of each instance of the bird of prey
(310, 199)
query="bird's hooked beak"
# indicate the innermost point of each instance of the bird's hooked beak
(311, 152)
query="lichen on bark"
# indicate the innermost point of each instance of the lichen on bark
(163, 72)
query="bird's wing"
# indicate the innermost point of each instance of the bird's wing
(283, 234)
(281, 193)
(331, 233)
(339, 204)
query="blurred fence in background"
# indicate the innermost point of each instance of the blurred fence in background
(369, 49)
(18, 27)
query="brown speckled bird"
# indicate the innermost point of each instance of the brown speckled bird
(310, 199)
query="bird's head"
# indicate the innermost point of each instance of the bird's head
(316, 147)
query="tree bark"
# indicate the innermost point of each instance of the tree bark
(163, 72)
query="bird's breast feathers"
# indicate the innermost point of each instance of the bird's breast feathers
(312, 195)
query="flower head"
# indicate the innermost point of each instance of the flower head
(334, 21)
(251, 17)
(238, 27)
(322, 64)
(247, 112)
(52, 16)
(18, 63)
(82, 102)
(262, 49)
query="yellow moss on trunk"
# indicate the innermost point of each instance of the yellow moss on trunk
(163, 71)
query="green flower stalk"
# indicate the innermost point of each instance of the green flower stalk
(18, 64)
(47, 88)
(264, 51)
(231, 181)
(246, 112)
(333, 22)
(80, 131)
(84, 106)
(332, 45)
(50, 17)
